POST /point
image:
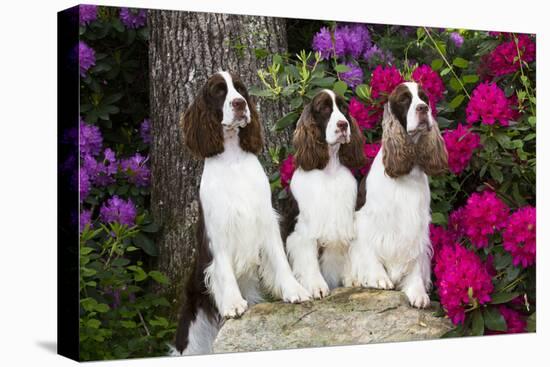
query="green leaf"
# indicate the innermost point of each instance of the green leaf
(532, 323)
(287, 120)
(255, 91)
(455, 84)
(439, 218)
(496, 173)
(341, 68)
(340, 87)
(470, 79)
(93, 323)
(363, 91)
(128, 324)
(146, 244)
(503, 297)
(150, 228)
(85, 250)
(494, 320)
(102, 307)
(159, 277)
(324, 82)
(445, 71)
(456, 332)
(460, 62)
(457, 101)
(437, 64)
(478, 326)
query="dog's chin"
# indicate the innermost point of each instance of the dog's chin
(342, 139)
(237, 123)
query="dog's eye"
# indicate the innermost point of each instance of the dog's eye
(219, 90)
(326, 109)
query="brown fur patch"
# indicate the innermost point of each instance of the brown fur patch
(352, 154)
(397, 146)
(250, 136)
(311, 147)
(431, 154)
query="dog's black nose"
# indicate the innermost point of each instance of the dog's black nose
(422, 108)
(238, 104)
(342, 125)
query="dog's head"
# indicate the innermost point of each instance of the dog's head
(222, 105)
(326, 122)
(411, 135)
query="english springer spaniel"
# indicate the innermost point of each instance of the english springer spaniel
(393, 248)
(238, 237)
(323, 190)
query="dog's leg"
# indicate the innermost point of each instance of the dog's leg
(222, 284)
(249, 284)
(276, 272)
(334, 264)
(303, 256)
(417, 281)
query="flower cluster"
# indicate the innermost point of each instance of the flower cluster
(145, 131)
(460, 144)
(286, 170)
(85, 219)
(100, 173)
(483, 214)
(87, 13)
(370, 150)
(520, 236)
(504, 58)
(354, 76)
(488, 103)
(431, 83)
(118, 210)
(133, 18)
(439, 237)
(90, 139)
(457, 39)
(384, 80)
(352, 40)
(367, 116)
(86, 57)
(136, 170)
(515, 322)
(461, 279)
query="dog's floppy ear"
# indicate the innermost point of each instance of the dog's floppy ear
(311, 148)
(202, 128)
(397, 147)
(250, 136)
(431, 154)
(352, 154)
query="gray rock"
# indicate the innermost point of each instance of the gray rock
(346, 316)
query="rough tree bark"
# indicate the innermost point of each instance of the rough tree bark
(185, 49)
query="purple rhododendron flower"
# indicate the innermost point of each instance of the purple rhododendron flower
(101, 172)
(118, 210)
(90, 139)
(86, 57)
(145, 131)
(83, 184)
(136, 170)
(375, 55)
(350, 40)
(133, 18)
(460, 144)
(520, 236)
(85, 219)
(87, 13)
(354, 76)
(457, 39)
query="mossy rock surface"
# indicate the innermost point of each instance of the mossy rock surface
(347, 316)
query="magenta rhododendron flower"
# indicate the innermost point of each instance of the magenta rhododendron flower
(461, 278)
(118, 210)
(370, 150)
(367, 116)
(484, 214)
(286, 170)
(384, 80)
(504, 58)
(488, 103)
(515, 322)
(90, 139)
(457, 39)
(87, 13)
(145, 131)
(460, 144)
(86, 57)
(136, 170)
(431, 83)
(133, 18)
(354, 76)
(439, 237)
(520, 236)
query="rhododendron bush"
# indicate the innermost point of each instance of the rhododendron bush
(481, 87)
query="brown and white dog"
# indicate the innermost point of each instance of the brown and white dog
(328, 143)
(393, 248)
(238, 236)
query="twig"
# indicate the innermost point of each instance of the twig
(143, 323)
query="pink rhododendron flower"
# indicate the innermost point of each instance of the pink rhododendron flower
(488, 104)
(484, 213)
(439, 237)
(384, 80)
(371, 150)
(515, 322)
(461, 278)
(367, 116)
(460, 144)
(504, 58)
(520, 236)
(431, 83)
(286, 170)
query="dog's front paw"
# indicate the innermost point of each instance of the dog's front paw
(234, 309)
(318, 289)
(418, 298)
(378, 280)
(295, 293)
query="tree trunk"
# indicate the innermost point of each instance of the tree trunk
(185, 49)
